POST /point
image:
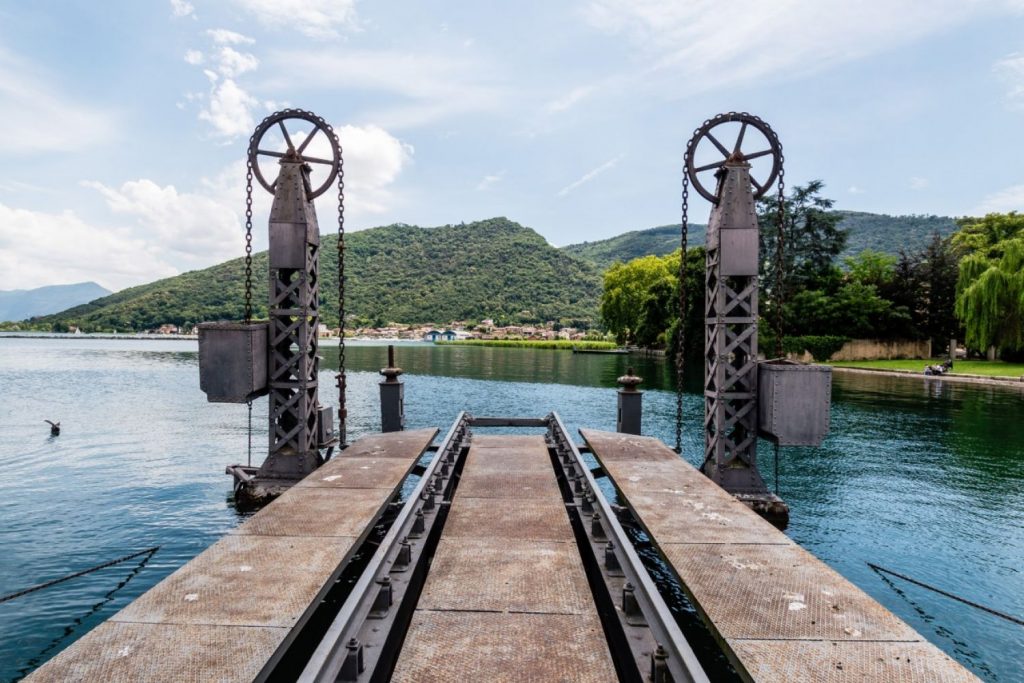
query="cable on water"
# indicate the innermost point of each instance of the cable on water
(54, 582)
(1001, 615)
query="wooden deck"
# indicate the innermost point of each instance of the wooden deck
(780, 613)
(506, 598)
(225, 614)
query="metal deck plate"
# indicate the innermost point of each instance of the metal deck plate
(484, 646)
(242, 581)
(499, 484)
(615, 447)
(538, 520)
(517, 441)
(506, 575)
(700, 516)
(508, 460)
(358, 473)
(840, 662)
(314, 511)
(780, 592)
(129, 653)
(406, 445)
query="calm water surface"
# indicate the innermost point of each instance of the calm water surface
(925, 479)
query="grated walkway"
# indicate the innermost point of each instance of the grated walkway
(226, 613)
(781, 613)
(506, 598)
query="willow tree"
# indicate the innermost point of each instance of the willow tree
(990, 295)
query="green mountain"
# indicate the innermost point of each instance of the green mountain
(489, 269)
(630, 245)
(879, 232)
(889, 234)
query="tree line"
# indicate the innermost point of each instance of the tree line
(967, 286)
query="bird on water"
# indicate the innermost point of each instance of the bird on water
(54, 427)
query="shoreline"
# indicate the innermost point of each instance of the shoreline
(1012, 382)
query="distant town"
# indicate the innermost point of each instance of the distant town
(455, 330)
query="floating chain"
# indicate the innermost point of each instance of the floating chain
(681, 336)
(780, 257)
(342, 411)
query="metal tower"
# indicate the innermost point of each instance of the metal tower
(731, 310)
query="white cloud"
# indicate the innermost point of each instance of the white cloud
(222, 36)
(590, 175)
(229, 106)
(918, 183)
(488, 180)
(182, 8)
(569, 99)
(373, 161)
(231, 63)
(315, 18)
(38, 118)
(38, 249)
(1011, 70)
(855, 190)
(191, 229)
(229, 109)
(1005, 200)
(703, 44)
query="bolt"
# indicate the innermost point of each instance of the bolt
(659, 666)
(596, 529)
(611, 560)
(418, 525)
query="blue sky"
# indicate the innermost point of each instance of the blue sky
(125, 124)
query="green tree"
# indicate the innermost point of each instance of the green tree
(627, 287)
(990, 296)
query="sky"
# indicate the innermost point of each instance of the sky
(124, 125)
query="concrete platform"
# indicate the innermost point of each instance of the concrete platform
(780, 613)
(223, 615)
(506, 598)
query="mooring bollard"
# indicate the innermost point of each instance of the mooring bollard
(392, 396)
(630, 404)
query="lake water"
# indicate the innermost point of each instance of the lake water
(926, 479)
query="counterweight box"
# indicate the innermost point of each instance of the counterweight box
(233, 361)
(793, 402)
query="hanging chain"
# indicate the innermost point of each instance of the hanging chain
(342, 411)
(780, 257)
(248, 276)
(248, 242)
(681, 336)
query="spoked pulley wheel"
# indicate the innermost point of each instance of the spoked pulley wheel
(275, 139)
(739, 136)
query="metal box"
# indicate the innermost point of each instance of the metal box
(738, 251)
(325, 427)
(793, 402)
(233, 361)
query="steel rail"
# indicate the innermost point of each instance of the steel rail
(682, 663)
(329, 657)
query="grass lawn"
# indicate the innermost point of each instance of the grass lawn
(968, 367)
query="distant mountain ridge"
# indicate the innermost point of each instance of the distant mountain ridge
(398, 273)
(879, 232)
(19, 304)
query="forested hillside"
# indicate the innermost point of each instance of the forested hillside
(489, 269)
(878, 232)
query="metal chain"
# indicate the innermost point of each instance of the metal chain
(248, 275)
(248, 241)
(681, 336)
(780, 257)
(342, 410)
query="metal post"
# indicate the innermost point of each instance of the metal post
(392, 396)
(630, 404)
(294, 308)
(952, 350)
(730, 343)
